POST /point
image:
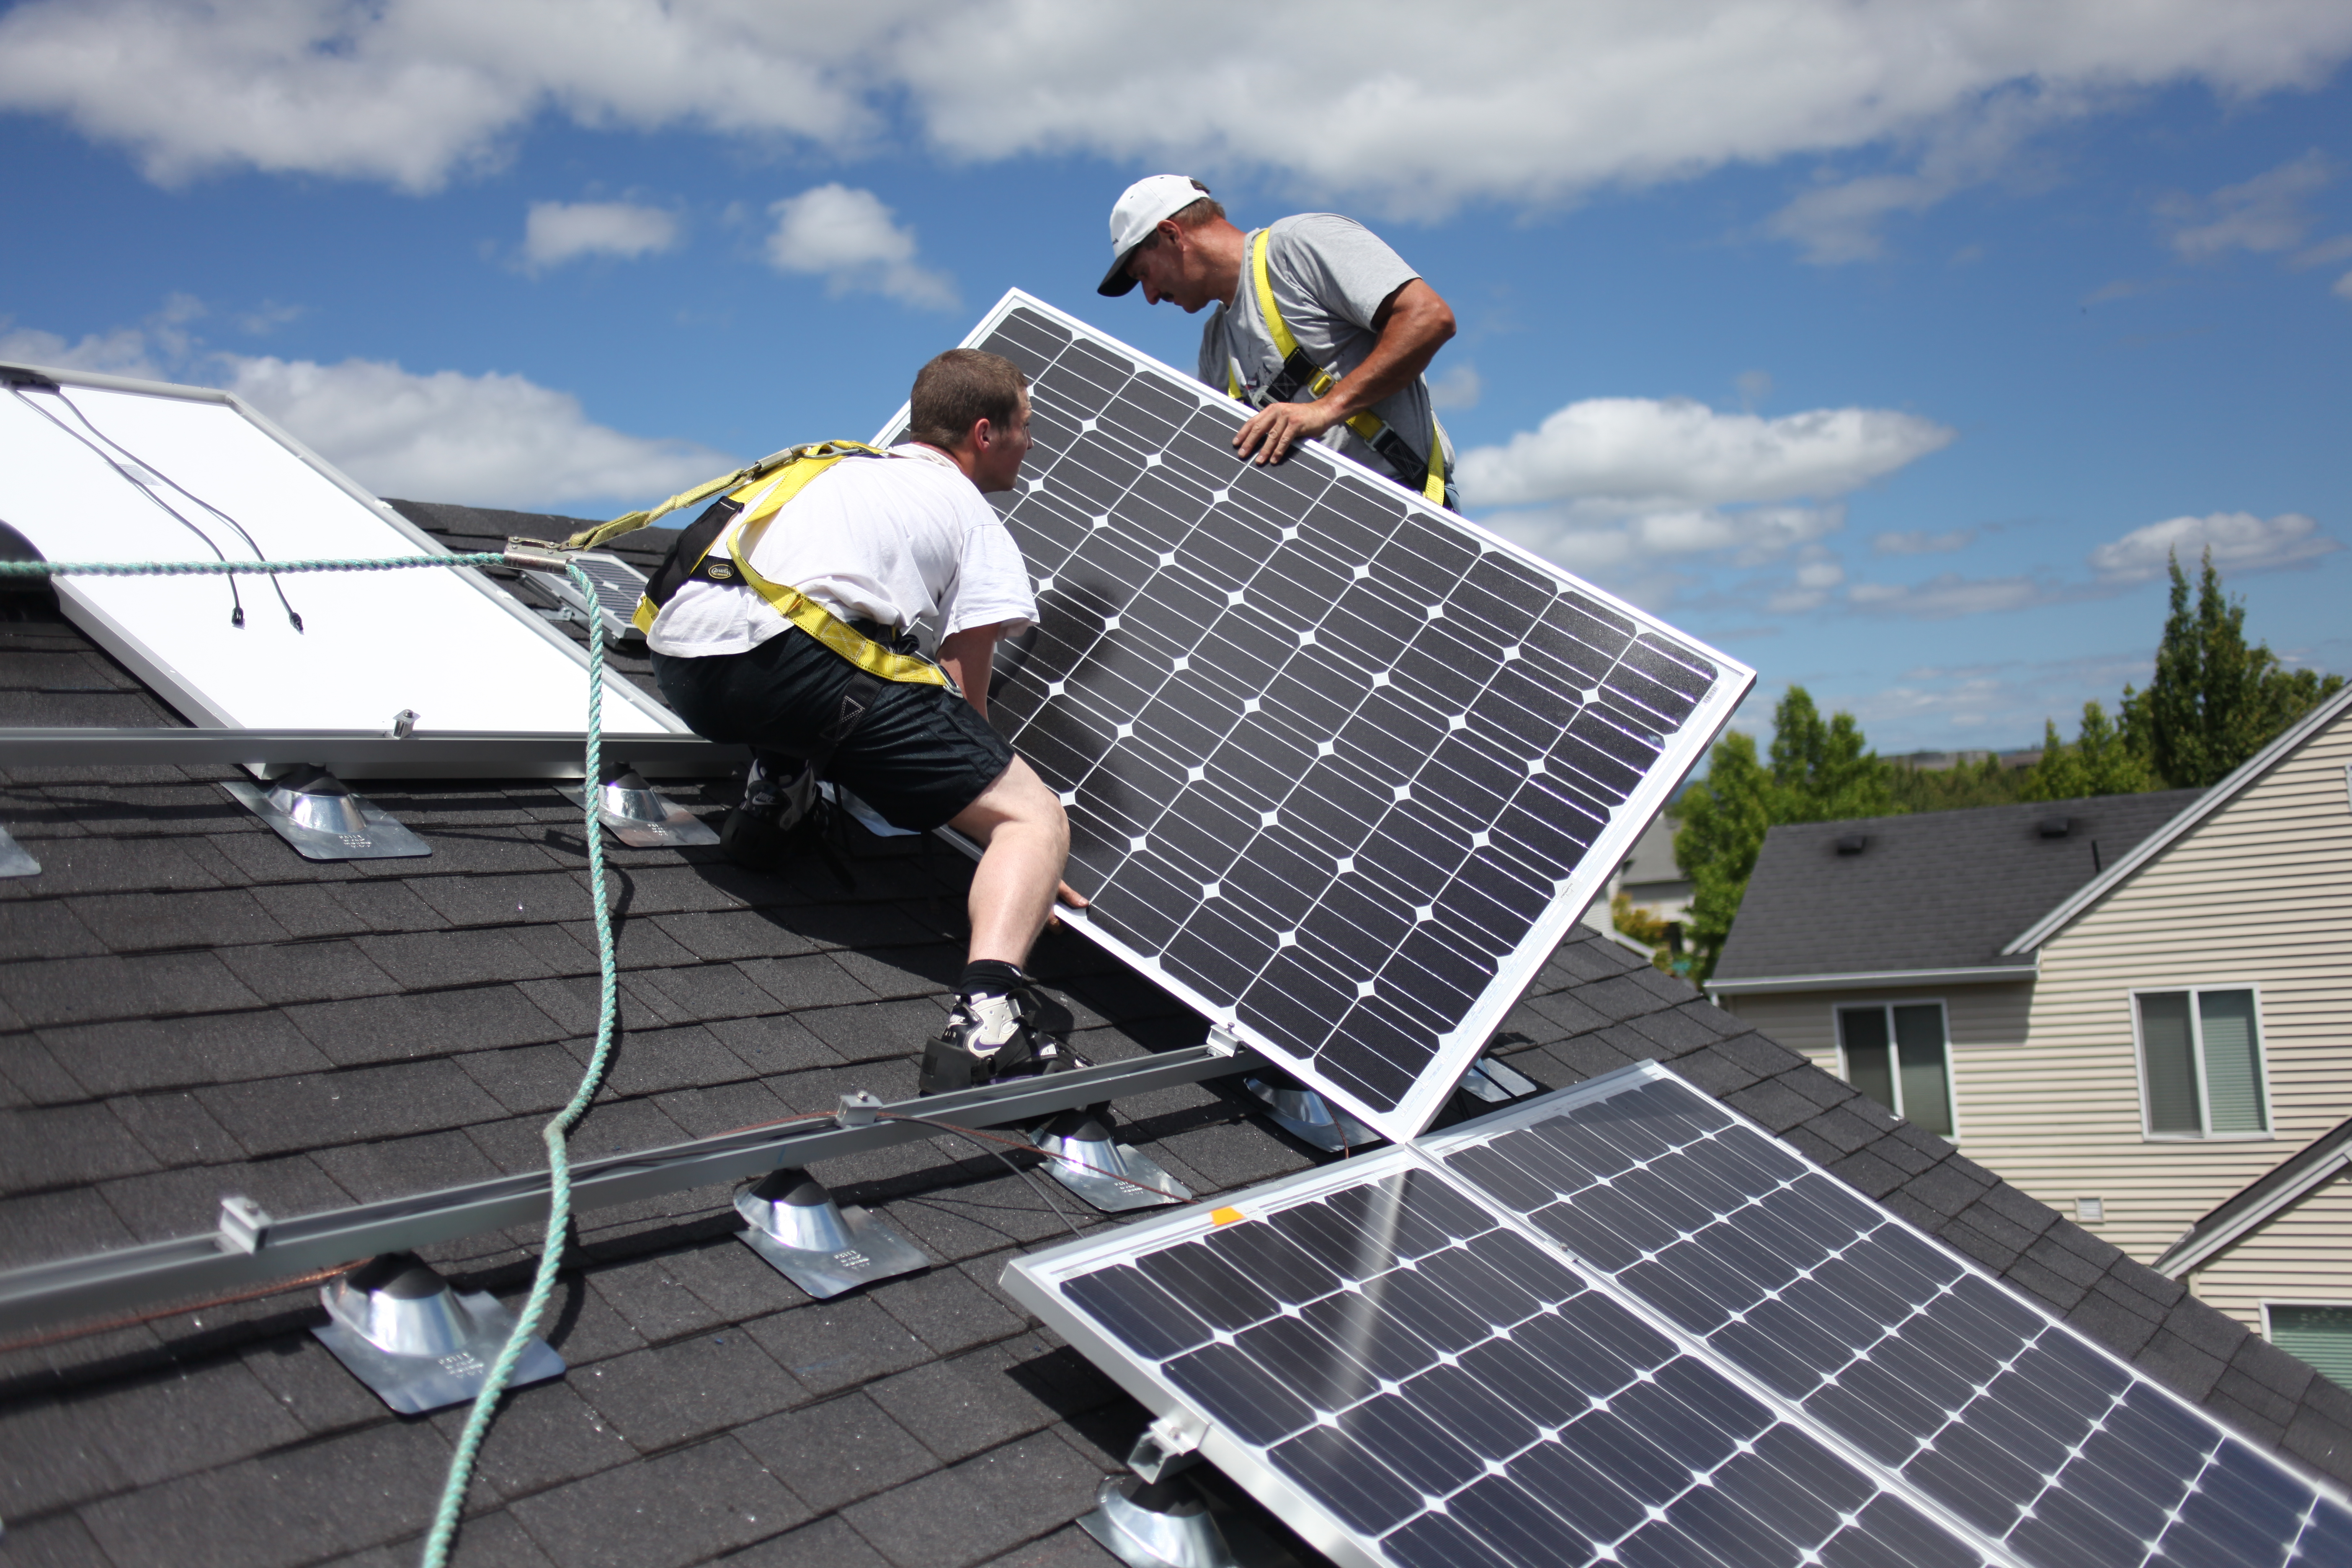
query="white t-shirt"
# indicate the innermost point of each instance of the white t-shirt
(889, 539)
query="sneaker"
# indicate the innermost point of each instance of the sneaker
(988, 1037)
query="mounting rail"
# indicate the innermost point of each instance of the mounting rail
(54, 1294)
(373, 753)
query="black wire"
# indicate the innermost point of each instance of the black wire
(1025, 1175)
(237, 615)
(251, 544)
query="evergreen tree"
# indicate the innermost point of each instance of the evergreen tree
(2214, 699)
(1819, 770)
(2100, 762)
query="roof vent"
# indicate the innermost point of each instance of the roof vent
(2057, 826)
(1852, 843)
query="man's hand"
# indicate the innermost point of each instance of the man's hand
(1273, 431)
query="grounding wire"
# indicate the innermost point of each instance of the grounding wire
(990, 1144)
(251, 544)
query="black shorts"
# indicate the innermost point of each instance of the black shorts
(919, 756)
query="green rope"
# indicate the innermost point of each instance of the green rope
(244, 568)
(444, 1533)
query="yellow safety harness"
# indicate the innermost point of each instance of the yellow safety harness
(1299, 371)
(755, 495)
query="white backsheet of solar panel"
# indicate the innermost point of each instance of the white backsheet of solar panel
(444, 642)
(1315, 470)
(1944, 1498)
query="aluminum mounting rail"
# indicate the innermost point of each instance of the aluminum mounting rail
(373, 753)
(245, 1254)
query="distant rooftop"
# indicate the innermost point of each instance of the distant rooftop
(1932, 890)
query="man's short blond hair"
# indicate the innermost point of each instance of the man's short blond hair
(1205, 211)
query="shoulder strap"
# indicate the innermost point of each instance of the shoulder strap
(739, 530)
(1298, 370)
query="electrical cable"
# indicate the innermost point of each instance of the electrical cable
(987, 1142)
(237, 600)
(251, 544)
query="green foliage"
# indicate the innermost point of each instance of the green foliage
(1819, 770)
(2215, 699)
(1960, 787)
(2100, 762)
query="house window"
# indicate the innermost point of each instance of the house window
(2320, 1335)
(2202, 1063)
(1896, 1055)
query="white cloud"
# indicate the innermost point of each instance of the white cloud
(1948, 594)
(849, 237)
(2239, 540)
(1610, 485)
(482, 440)
(1919, 542)
(1458, 388)
(485, 440)
(1523, 101)
(2343, 288)
(2266, 213)
(556, 231)
(1640, 447)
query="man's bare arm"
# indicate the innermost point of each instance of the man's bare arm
(1413, 323)
(970, 656)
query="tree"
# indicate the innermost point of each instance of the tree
(1820, 772)
(2100, 762)
(2214, 701)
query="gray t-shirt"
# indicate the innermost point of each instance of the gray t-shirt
(1330, 276)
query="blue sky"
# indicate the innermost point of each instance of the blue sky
(1888, 349)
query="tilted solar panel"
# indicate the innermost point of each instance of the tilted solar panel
(1342, 767)
(1621, 1324)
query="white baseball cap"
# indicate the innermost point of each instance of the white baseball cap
(1139, 212)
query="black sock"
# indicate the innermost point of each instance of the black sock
(990, 977)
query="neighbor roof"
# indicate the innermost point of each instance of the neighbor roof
(1932, 894)
(2281, 1187)
(187, 1008)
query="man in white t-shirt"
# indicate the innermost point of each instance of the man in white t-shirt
(881, 542)
(1356, 311)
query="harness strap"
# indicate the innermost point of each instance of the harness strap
(1299, 371)
(755, 509)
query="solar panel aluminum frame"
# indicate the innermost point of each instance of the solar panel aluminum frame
(1462, 1046)
(1035, 1282)
(126, 644)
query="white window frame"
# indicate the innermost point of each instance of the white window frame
(2197, 1061)
(1943, 1011)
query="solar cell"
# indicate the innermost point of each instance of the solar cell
(1342, 767)
(1621, 1324)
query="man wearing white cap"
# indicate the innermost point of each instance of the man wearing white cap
(1319, 326)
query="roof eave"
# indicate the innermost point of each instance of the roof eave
(2205, 805)
(1878, 979)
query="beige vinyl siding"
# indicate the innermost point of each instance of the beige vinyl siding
(1983, 1022)
(2260, 895)
(2302, 1257)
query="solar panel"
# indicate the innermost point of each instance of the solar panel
(619, 588)
(104, 469)
(1342, 767)
(1620, 1324)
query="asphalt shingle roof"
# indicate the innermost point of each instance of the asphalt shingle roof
(1938, 890)
(187, 1008)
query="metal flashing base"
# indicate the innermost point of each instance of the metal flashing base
(823, 1249)
(1106, 1174)
(16, 860)
(1497, 1083)
(635, 814)
(1157, 1524)
(1307, 1116)
(398, 1327)
(317, 813)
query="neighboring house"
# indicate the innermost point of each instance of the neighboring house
(1650, 879)
(2139, 1018)
(187, 1008)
